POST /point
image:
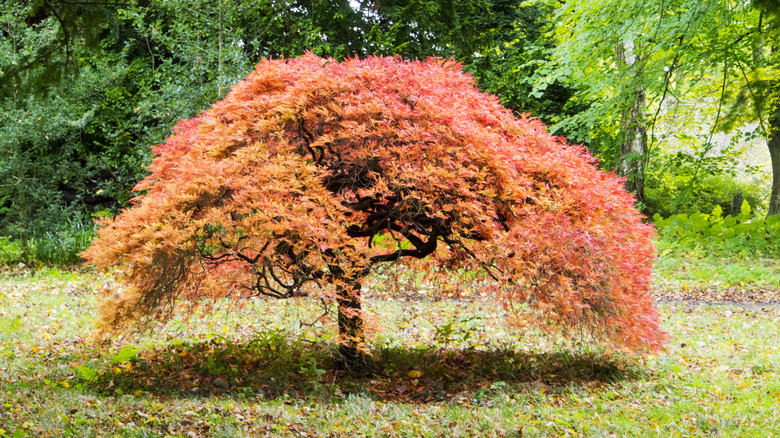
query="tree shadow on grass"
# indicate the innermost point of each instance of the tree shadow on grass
(275, 368)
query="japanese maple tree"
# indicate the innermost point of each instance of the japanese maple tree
(311, 172)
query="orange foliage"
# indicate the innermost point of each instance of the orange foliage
(311, 172)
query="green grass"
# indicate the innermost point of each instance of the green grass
(447, 369)
(714, 271)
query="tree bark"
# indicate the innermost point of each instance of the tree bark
(773, 143)
(634, 145)
(352, 354)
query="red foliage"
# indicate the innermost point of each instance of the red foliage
(312, 172)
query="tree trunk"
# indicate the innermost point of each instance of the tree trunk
(773, 143)
(352, 338)
(634, 145)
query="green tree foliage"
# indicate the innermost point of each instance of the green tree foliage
(41, 41)
(54, 95)
(517, 45)
(87, 86)
(714, 53)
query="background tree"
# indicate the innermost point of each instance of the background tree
(762, 84)
(57, 88)
(711, 53)
(312, 172)
(75, 142)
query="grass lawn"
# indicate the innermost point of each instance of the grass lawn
(448, 368)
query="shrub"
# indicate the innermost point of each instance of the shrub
(56, 237)
(673, 189)
(713, 233)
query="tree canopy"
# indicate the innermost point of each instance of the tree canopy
(704, 67)
(86, 86)
(311, 172)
